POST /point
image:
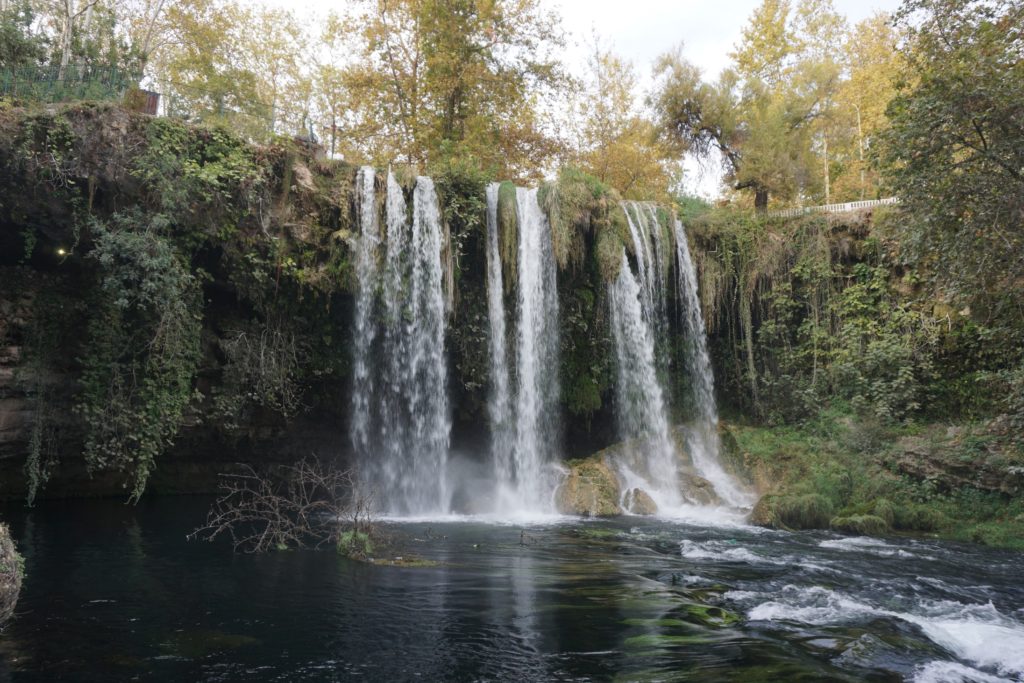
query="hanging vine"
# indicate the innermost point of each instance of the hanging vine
(142, 351)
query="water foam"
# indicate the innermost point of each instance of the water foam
(953, 672)
(978, 633)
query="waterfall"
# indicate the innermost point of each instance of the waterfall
(523, 404)
(640, 403)
(364, 331)
(499, 406)
(640, 324)
(648, 245)
(703, 442)
(537, 339)
(401, 422)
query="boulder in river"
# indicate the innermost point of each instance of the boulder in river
(590, 489)
(639, 502)
(11, 572)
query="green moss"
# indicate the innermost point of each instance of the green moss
(570, 204)
(885, 510)
(355, 544)
(710, 615)
(863, 525)
(586, 352)
(508, 233)
(808, 511)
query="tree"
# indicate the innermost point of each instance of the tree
(614, 142)
(19, 45)
(236, 65)
(768, 116)
(433, 79)
(954, 150)
(873, 65)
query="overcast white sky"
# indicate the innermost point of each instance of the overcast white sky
(641, 30)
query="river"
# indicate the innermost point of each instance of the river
(117, 592)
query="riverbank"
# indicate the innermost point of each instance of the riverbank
(856, 475)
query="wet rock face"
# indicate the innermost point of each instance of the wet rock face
(639, 502)
(940, 462)
(11, 572)
(696, 489)
(590, 489)
(15, 410)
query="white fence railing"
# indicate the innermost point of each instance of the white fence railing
(832, 208)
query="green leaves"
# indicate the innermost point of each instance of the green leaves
(955, 150)
(142, 350)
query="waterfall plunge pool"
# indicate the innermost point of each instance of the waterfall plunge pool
(116, 592)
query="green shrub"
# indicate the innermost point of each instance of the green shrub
(885, 510)
(917, 517)
(142, 351)
(865, 525)
(809, 511)
(356, 545)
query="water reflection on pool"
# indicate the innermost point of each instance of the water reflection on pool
(116, 592)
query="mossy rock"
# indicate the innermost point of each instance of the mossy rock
(639, 502)
(590, 489)
(809, 511)
(12, 571)
(918, 518)
(886, 510)
(508, 233)
(697, 489)
(710, 615)
(864, 525)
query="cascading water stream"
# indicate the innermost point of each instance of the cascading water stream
(651, 461)
(401, 423)
(523, 405)
(499, 405)
(640, 326)
(703, 442)
(364, 331)
(537, 338)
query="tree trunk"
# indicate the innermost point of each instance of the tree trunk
(828, 188)
(65, 38)
(761, 199)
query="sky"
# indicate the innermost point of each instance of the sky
(641, 30)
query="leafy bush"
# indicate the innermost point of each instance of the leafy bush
(142, 351)
(864, 525)
(809, 511)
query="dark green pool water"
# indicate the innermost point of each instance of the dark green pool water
(116, 592)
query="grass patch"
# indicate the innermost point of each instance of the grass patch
(859, 476)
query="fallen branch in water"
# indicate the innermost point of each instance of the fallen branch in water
(301, 505)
